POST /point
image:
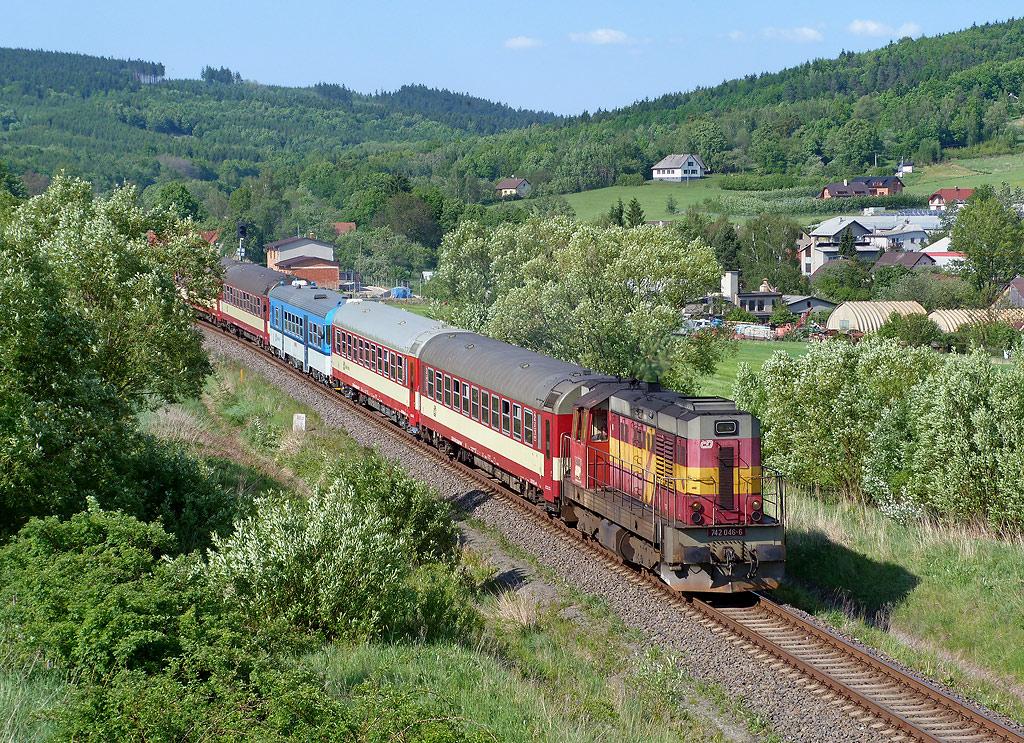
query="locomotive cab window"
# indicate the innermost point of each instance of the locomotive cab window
(726, 428)
(599, 425)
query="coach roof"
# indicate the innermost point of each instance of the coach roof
(312, 299)
(250, 277)
(390, 326)
(516, 373)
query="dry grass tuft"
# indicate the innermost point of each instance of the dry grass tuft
(517, 608)
(175, 423)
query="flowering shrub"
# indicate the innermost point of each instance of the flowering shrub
(914, 431)
(370, 555)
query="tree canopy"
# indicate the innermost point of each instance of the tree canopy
(607, 298)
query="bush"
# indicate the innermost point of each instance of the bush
(781, 315)
(349, 561)
(911, 330)
(770, 182)
(738, 314)
(91, 593)
(630, 179)
(992, 336)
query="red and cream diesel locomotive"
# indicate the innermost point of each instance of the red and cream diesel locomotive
(671, 484)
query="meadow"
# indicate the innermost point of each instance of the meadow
(968, 173)
(753, 353)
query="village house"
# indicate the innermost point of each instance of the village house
(907, 260)
(679, 168)
(941, 251)
(905, 166)
(766, 299)
(305, 258)
(882, 185)
(1013, 294)
(512, 188)
(822, 244)
(947, 197)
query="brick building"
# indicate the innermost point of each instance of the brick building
(305, 258)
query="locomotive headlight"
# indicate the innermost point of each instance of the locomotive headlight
(756, 516)
(755, 505)
(697, 506)
(697, 517)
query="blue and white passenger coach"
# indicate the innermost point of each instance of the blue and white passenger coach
(300, 326)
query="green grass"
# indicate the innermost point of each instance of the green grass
(944, 600)
(27, 691)
(967, 174)
(754, 353)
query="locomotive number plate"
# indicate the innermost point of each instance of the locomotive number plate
(727, 531)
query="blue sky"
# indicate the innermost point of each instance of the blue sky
(559, 55)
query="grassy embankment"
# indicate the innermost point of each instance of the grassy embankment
(551, 665)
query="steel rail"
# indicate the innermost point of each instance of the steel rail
(928, 723)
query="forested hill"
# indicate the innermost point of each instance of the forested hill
(113, 120)
(913, 98)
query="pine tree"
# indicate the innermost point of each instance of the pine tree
(847, 245)
(671, 205)
(615, 214)
(634, 216)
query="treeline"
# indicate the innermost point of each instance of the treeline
(35, 72)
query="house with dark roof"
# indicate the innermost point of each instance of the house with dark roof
(822, 244)
(845, 190)
(907, 260)
(679, 168)
(947, 197)
(512, 188)
(869, 185)
(305, 258)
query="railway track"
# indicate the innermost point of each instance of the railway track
(897, 705)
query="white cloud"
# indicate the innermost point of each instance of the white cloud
(868, 27)
(735, 35)
(601, 36)
(797, 33)
(522, 42)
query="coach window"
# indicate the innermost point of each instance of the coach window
(528, 426)
(505, 406)
(517, 423)
(465, 399)
(485, 404)
(447, 390)
(438, 386)
(475, 415)
(388, 357)
(456, 393)
(277, 318)
(494, 412)
(430, 383)
(401, 369)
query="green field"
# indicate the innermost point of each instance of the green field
(967, 174)
(754, 353)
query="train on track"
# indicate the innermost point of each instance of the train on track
(671, 484)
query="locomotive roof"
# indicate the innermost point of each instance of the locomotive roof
(516, 373)
(390, 326)
(250, 277)
(312, 299)
(669, 411)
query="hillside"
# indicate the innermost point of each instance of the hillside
(112, 120)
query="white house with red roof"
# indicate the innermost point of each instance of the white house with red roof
(946, 197)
